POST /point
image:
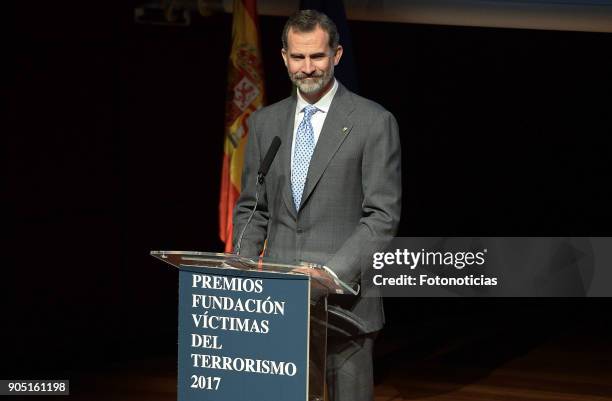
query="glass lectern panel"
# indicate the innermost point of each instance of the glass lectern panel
(325, 281)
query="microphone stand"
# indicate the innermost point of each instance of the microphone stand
(260, 181)
(261, 175)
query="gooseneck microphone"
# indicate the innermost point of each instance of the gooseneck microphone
(261, 175)
(267, 161)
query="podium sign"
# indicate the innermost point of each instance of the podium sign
(251, 331)
(243, 336)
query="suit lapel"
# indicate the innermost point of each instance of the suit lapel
(286, 124)
(336, 128)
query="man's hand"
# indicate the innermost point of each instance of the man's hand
(314, 272)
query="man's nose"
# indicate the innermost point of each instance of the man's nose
(308, 66)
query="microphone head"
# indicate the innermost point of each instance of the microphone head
(270, 155)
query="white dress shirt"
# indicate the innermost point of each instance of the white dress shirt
(317, 119)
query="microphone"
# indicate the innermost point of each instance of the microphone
(261, 175)
(267, 161)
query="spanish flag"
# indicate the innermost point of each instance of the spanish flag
(245, 94)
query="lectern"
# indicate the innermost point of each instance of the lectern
(251, 330)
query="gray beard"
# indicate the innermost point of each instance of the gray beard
(312, 85)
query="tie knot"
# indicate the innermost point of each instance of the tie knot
(309, 111)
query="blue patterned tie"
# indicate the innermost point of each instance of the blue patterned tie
(304, 147)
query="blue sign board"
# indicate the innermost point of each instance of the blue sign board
(243, 335)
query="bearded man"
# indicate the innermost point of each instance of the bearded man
(332, 194)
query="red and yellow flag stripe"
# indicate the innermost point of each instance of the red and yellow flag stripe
(245, 94)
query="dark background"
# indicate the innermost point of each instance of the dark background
(113, 141)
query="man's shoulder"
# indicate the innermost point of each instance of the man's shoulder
(365, 103)
(275, 108)
(364, 107)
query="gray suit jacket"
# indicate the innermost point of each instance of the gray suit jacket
(351, 201)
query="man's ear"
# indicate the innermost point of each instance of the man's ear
(284, 55)
(338, 54)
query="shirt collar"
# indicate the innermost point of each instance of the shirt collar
(323, 104)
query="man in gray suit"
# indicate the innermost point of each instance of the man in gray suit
(332, 195)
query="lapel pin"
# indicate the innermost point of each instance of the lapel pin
(344, 129)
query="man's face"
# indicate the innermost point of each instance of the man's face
(309, 60)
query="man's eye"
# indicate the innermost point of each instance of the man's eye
(297, 57)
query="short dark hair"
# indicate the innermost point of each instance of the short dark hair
(307, 21)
